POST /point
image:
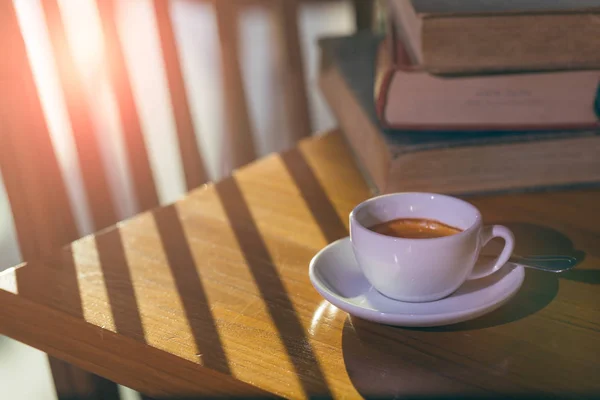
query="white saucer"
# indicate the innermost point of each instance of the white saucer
(338, 278)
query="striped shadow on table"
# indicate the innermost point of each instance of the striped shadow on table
(39, 196)
(210, 282)
(273, 292)
(230, 261)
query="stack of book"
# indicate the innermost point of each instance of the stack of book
(472, 96)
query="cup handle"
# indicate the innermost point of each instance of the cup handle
(487, 234)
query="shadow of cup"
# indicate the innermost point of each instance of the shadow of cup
(537, 240)
(382, 362)
(539, 287)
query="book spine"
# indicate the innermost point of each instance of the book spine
(384, 72)
(391, 55)
(597, 102)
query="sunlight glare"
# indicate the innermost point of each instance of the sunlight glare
(8, 280)
(325, 312)
(84, 34)
(39, 51)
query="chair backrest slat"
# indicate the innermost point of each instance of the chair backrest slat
(364, 13)
(78, 109)
(240, 147)
(33, 180)
(193, 165)
(285, 14)
(137, 153)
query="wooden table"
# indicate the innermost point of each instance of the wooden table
(210, 296)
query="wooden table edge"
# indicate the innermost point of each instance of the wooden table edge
(58, 340)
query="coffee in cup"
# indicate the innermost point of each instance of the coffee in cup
(414, 228)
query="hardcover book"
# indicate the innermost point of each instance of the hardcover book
(457, 162)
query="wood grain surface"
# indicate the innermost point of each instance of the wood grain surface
(210, 296)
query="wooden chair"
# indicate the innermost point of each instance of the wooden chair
(43, 218)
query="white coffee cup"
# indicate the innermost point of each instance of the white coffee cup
(419, 270)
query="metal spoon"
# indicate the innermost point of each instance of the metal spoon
(553, 263)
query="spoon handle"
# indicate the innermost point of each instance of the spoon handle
(546, 263)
